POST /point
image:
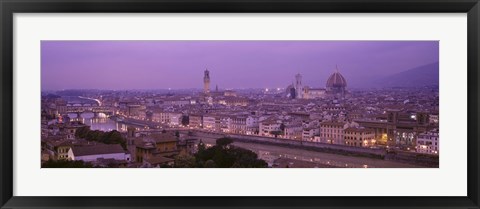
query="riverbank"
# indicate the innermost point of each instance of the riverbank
(413, 158)
(272, 152)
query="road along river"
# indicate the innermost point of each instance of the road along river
(271, 153)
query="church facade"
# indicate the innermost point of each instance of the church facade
(335, 87)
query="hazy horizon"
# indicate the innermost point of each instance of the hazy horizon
(157, 65)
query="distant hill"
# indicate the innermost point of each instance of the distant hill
(426, 75)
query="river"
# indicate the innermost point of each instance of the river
(99, 122)
(270, 153)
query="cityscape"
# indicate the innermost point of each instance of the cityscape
(240, 104)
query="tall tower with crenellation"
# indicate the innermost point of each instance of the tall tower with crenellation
(206, 82)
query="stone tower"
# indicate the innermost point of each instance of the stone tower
(298, 86)
(206, 82)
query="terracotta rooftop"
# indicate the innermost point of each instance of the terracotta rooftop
(97, 149)
(159, 160)
(332, 123)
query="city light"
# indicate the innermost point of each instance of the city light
(315, 117)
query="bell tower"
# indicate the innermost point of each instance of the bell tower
(298, 86)
(206, 82)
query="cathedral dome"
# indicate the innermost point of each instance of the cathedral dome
(336, 80)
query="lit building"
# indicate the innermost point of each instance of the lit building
(61, 106)
(252, 125)
(401, 129)
(230, 93)
(313, 93)
(195, 121)
(225, 123)
(293, 131)
(161, 116)
(233, 101)
(267, 126)
(434, 118)
(175, 118)
(332, 132)
(428, 142)
(134, 110)
(310, 133)
(209, 122)
(238, 125)
(359, 137)
(164, 144)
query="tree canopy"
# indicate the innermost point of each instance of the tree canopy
(185, 120)
(224, 155)
(66, 164)
(111, 137)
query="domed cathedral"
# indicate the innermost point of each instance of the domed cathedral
(336, 88)
(336, 84)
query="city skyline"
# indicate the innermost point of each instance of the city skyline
(122, 65)
(302, 107)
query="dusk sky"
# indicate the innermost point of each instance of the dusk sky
(119, 65)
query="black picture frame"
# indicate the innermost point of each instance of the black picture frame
(9, 7)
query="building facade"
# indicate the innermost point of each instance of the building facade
(359, 137)
(428, 142)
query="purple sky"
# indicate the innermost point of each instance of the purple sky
(232, 64)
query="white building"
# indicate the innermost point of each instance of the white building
(161, 116)
(175, 119)
(195, 121)
(433, 118)
(226, 124)
(238, 125)
(310, 133)
(252, 125)
(428, 142)
(293, 131)
(209, 122)
(95, 152)
(359, 137)
(252, 121)
(267, 126)
(332, 132)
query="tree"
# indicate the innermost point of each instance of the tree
(226, 155)
(111, 137)
(201, 146)
(282, 127)
(275, 133)
(66, 164)
(223, 141)
(184, 160)
(210, 164)
(82, 131)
